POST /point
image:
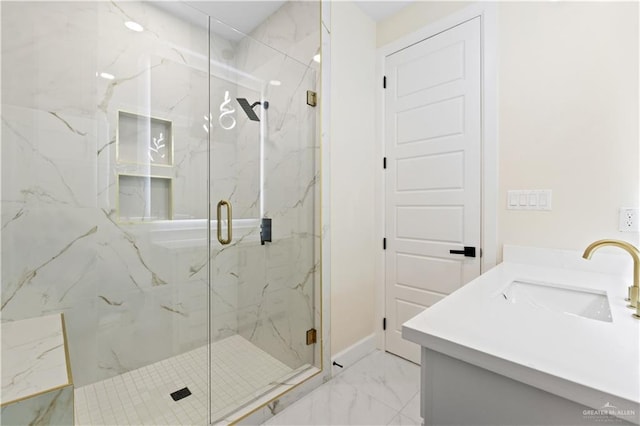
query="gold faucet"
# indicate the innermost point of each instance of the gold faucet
(634, 290)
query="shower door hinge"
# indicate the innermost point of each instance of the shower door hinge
(384, 82)
(311, 336)
(265, 230)
(384, 244)
(384, 323)
(384, 162)
(312, 98)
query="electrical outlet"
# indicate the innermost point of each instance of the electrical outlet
(629, 220)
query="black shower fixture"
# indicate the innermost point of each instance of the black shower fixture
(248, 109)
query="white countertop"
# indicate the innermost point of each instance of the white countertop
(33, 357)
(588, 361)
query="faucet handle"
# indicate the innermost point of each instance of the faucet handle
(633, 297)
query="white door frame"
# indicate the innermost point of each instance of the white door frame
(489, 111)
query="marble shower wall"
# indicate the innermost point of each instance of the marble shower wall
(132, 293)
(136, 293)
(277, 301)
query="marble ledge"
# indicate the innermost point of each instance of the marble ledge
(301, 381)
(34, 358)
(50, 408)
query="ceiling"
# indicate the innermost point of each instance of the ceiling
(242, 15)
(245, 15)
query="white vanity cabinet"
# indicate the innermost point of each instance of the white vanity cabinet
(527, 344)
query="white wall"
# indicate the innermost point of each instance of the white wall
(353, 247)
(569, 119)
(413, 18)
(568, 114)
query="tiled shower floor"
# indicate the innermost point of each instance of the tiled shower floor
(239, 371)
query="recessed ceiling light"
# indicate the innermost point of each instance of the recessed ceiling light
(134, 26)
(317, 58)
(107, 76)
(275, 82)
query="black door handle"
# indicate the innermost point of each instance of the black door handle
(468, 251)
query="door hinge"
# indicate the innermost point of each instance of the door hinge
(312, 98)
(384, 162)
(384, 323)
(384, 82)
(384, 244)
(265, 230)
(311, 336)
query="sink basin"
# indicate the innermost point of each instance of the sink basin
(560, 298)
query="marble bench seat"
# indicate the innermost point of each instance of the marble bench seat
(37, 387)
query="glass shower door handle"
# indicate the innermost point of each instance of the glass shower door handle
(227, 204)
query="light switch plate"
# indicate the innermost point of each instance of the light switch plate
(529, 199)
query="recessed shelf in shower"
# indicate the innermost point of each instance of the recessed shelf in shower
(144, 140)
(144, 147)
(144, 198)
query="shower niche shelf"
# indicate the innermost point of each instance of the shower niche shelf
(144, 156)
(144, 198)
(144, 140)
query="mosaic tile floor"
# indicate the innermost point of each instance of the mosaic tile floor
(240, 371)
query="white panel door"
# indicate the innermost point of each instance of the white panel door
(433, 147)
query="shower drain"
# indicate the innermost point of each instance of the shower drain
(180, 393)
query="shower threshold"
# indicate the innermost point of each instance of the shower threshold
(243, 377)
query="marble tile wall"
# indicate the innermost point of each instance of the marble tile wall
(322, 291)
(277, 302)
(136, 293)
(49, 408)
(129, 296)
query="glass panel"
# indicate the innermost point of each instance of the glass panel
(105, 198)
(123, 124)
(264, 156)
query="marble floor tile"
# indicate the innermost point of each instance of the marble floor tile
(401, 420)
(386, 377)
(412, 409)
(335, 404)
(379, 389)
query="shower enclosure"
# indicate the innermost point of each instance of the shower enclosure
(160, 187)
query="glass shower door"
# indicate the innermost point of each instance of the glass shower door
(152, 338)
(264, 260)
(104, 198)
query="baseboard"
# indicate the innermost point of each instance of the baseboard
(352, 354)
